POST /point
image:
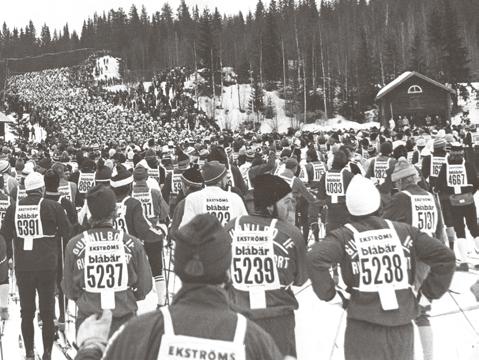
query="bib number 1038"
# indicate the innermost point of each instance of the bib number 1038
(253, 270)
(104, 276)
(380, 270)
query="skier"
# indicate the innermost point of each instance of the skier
(213, 199)
(34, 225)
(280, 261)
(380, 171)
(66, 188)
(200, 318)
(378, 259)
(105, 268)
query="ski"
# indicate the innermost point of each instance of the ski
(63, 345)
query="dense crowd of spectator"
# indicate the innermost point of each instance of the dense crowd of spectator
(71, 106)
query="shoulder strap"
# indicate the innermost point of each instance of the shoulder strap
(167, 321)
(240, 332)
(352, 228)
(390, 225)
(407, 193)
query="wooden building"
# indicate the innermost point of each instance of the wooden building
(415, 96)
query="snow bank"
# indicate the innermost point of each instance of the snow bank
(116, 88)
(337, 123)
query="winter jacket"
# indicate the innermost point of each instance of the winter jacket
(43, 255)
(139, 274)
(290, 255)
(199, 311)
(340, 247)
(159, 207)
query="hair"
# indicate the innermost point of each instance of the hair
(340, 160)
(122, 191)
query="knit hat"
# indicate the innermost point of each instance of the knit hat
(183, 161)
(421, 142)
(269, 189)
(457, 146)
(101, 202)
(103, 174)
(34, 181)
(439, 143)
(362, 197)
(111, 153)
(140, 173)
(45, 163)
(212, 172)
(386, 148)
(203, 251)
(402, 170)
(4, 166)
(19, 165)
(193, 178)
(286, 153)
(52, 181)
(28, 168)
(120, 177)
(150, 154)
(291, 163)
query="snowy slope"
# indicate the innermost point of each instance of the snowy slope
(109, 68)
(471, 105)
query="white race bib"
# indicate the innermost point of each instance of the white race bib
(154, 173)
(230, 178)
(383, 267)
(456, 176)
(318, 171)
(182, 347)
(85, 182)
(28, 224)
(244, 169)
(219, 207)
(106, 270)
(436, 165)
(253, 267)
(119, 223)
(176, 184)
(66, 191)
(334, 185)
(4, 204)
(424, 212)
(410, 156)
(146, 202)
(21, 194)
(303, 174)
(380, 170)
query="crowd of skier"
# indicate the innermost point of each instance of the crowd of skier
(374, 219)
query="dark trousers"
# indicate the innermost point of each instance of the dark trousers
(154, 252)
(29, 283)
(281, 329)
(367, 341)
(468, 212)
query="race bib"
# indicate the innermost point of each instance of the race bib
(85, 182)
(105, 270)
(424, 212)
(4, 204)
(219, 208)
(182, 347)
(119, 223)
(318, 171)
(303, 174)
(456, 177)
(383, 267)
(146, 201)
(176, 184)
(334, 186)
(253, 267)
(229, 178)
(436, 165)
(28, 224)
(380, 170)
(65, 191)
(154, 173)
(21, 194)
(410, 156)
(245, 174)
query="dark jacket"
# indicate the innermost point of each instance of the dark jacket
(365, 306)
(197, 310)
(44, 255)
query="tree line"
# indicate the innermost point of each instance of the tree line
(328, 56)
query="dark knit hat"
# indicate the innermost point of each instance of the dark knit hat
(140, 173)
(268, 189)
(120, 177)
(101, 202)
(87, 165)
(150, 154)
(203, 251)
(52, 181)
(386, 148)
(103, 174)
(45, 163)
(457, 146)
(193, 178)
(213, 171)
(291, 163)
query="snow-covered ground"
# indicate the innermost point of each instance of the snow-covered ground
(337, 123)
(109, 68)
(471, 105)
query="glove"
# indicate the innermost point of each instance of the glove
(94, 330)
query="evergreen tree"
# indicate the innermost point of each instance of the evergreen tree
(256, 100)
(416, 59)
(271, 47)
(45, 37)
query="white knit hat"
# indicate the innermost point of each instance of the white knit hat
(362, 197)
(34, 181)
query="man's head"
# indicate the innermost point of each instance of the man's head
(140, 174)
(292, 164)
(457, 152)
(404, 174)
(34, 183)
(272, 195)
(52, 181)
(192, 180)
(362, 197)
(121, 181)
(101, 202)
(214, 174)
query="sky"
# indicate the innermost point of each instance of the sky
(55, 13)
